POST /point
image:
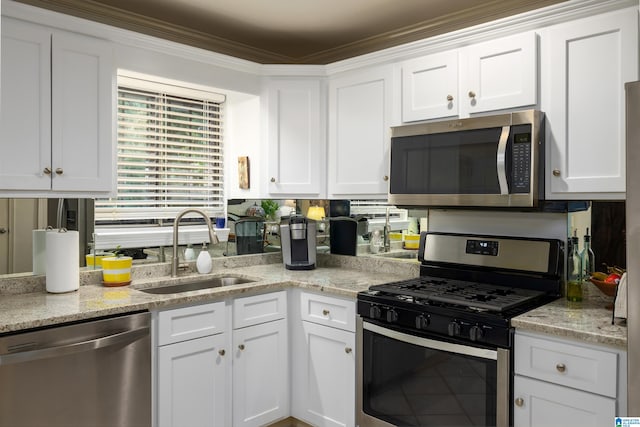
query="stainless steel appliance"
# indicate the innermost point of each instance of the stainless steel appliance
(95, 373)
(492, 161)
(633, 246)
(298, 242)
(437, 350)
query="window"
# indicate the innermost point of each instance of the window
(170, 154)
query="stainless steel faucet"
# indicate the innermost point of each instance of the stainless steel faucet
(212, 236)
(387, 230)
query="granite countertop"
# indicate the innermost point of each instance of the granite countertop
(25, 304)
(587, 321)
(338, 275)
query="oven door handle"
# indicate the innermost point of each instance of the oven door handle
(482, 353)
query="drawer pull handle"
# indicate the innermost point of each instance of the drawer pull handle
(325, 312)
(556, 172)
(241, 346)
(273, 179)
(59, 171)
(519, 401)
(561, 367)
(47, 171)
(348, 350)
(472, 94)
(449, 98)
(221, 352)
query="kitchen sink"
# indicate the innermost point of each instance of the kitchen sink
(214, 282)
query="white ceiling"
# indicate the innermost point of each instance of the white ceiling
(293, 31)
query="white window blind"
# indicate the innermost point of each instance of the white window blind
(170, 155)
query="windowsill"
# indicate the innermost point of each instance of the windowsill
(142, 237)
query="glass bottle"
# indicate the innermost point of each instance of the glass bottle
(588, 257)
(574, 273)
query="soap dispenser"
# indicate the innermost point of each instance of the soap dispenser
(203, 263)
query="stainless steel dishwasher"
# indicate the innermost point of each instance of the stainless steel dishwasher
(95, 373)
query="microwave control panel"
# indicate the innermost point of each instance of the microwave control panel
(521, 163)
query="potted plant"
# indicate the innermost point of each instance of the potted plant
(116, 270)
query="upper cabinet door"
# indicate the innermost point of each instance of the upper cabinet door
(25, 120)
(296, 156)
(83, 116)
(360, 108)
(430, 87)
(585, 66)
(500, 74)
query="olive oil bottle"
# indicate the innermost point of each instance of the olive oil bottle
(574, 272)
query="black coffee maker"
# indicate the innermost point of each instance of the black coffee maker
(298, 241)
(249, 235)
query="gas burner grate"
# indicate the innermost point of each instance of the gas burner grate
(480, 296)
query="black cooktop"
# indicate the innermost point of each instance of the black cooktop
(461, 293)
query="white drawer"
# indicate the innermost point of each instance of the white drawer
(573, 365)
(257, 309)
(187, 323)
(330, 311)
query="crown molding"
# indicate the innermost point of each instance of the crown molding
(533, 20)
(485, 11)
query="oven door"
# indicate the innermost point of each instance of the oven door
(407, 380)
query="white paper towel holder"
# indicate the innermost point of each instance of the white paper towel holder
(62, 273)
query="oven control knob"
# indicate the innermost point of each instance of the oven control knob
(392, 316)
(453, 329)
(422, 322)
(476, 333)
(375, 312)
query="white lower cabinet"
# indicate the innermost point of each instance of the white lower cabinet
(210, 373)
(192, 383)
(559, 382)
(192, 367)
(260, 374)
(323, 386)
(260, 359)
(542, 404)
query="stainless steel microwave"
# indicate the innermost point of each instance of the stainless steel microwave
(493, 161)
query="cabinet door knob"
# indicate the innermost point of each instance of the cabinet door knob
(273, 179)
(348, 350)
(325, 312)
(385, 178)
(221, 352)
(519, 401)
(561, 367)
(472, 94)
(47, 171)
(241, 346)
(3, 230)
(556, 172)
(449, 98)
(59, 171)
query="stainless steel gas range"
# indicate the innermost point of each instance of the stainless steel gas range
(437, 350)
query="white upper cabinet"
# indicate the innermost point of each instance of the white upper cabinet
(430, 87)
(296, 147)
(360, 114)
(501, 73)
(493, 75)
(585, 64)
(57, 120)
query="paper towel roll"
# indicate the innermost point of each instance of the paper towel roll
(39, 247)
(63, 271)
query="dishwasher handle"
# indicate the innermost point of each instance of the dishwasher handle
(124, 337)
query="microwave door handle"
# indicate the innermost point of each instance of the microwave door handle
(501, 168)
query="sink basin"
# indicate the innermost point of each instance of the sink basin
(401, 255)
(214, 282)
